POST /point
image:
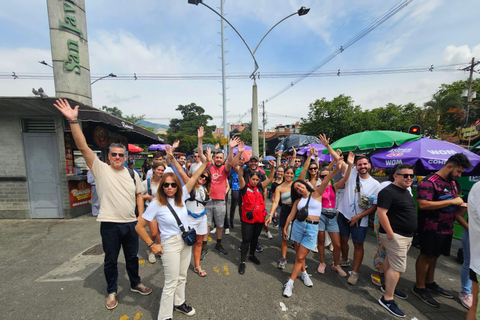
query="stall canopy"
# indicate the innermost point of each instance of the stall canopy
(158, 147)
(134, 133)
(134, 148)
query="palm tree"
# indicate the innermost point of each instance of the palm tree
(443, 113)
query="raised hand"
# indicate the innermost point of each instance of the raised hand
(311, 151)
(169, 151)
(315, 152)
(272, 164)
(200, 132)
(217, 146)
(323, 139)
(64, 107)
(350, 158)
(294, 152)
(234, 142)
(241, 147)
(175, 144)
(280, 152)
(208, 154)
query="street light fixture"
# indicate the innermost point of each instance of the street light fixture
(301, 12)
(109, 75)
(44, 63)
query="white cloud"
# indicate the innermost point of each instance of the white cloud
(461, 54)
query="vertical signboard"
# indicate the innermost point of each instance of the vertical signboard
(68, 38)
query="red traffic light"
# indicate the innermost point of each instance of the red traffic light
(415, 129)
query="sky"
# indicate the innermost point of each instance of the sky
(172, 37)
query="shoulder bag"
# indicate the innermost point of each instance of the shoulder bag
(302, 214)
(190, 236)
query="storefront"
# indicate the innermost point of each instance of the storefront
(38, 176)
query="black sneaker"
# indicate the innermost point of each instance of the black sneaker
(258, 248)
(241, 268)
(397, 293)
(425, 296)
(438, 290)
(185, 309)
(254, 259)
(203, 254)
(392, 307)
(220, 249)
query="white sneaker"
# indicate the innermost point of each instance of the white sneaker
(227, 231)
(306, 280)
(213, 230)
(151, 257)
(287, 292)
(268, 234)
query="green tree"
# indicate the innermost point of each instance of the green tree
(392, 117)
(443, 114)
(193, 117)
(339, 118)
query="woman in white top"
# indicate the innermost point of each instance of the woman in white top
(175, 253)
(150, 187)
(197, 212)
(304, 233)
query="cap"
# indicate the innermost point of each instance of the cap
(254, 158)
(168, 170)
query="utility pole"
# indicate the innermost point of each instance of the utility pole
(264, 123)
(224, 93)
(469, 92)
(254, 119)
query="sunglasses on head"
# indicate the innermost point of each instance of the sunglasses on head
(166, 185)
(120, 155)
(406, 175)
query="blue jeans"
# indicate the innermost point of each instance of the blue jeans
(465, 272)
(116, 235)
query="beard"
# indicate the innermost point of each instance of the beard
(450, 176)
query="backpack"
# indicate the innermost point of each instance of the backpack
(132, 174)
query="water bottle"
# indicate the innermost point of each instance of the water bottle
(370, 201)
(281, 147)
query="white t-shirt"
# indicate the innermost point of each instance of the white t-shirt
(149, 174)
(166, 221)
(474, 227)
(153, 187)
(116, 192)
(349, 205)
(194, 206)
(194, 167)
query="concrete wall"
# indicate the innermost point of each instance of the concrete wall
(14, 202)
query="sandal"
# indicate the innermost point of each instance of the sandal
(376, 280)
(198, 270)
(321, 268)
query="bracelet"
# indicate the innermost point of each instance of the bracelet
(151, 244)
(268, 214)
(73, 121)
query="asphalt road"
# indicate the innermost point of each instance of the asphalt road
(46, 276)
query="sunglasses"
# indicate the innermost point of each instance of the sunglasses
(313, 168)
(166, 185)
(406, 175)
(298, 160)
(120, 155)
(322, 176)
(204, 177)
(196, 156)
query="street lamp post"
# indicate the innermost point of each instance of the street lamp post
(302, 11)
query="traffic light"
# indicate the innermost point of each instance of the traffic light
(415, 129)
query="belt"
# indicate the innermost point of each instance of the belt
(311, 221)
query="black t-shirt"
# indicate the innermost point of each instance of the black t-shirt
(401, 210)
(246, 175)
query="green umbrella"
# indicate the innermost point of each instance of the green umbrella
(370, 140)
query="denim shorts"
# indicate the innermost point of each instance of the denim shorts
(326, 224)
(358, 233)
(305, 234)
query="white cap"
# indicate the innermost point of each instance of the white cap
(168, 170)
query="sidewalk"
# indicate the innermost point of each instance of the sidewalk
(46, 276)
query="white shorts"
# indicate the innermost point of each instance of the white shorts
(200, 224)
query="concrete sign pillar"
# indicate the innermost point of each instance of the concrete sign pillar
(68, 38)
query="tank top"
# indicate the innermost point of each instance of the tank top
(286, 197)
(314, 207)
(328, 198)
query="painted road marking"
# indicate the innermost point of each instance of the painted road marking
(225, 271)
(138, 316)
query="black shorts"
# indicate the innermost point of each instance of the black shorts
(284, 212)
(473, 276)
(433, 244)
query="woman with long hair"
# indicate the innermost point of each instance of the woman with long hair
(175, 253)
(145, 168)
(253, 209)
(151, 186)
(282, 197)
(304, 233)
(328, 219)
(197, 212)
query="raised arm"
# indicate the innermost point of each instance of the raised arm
(174, 146)
(178, 167)
(350, 159)
(72, 116)
(326, 143)
(199, 171)
(294, 156)
(279, 158)
(321, 188)
(306, 165)
(315, 153)
(200, 134)
(233, 143)
(236, 158)
(270, 175)
(239, 170)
